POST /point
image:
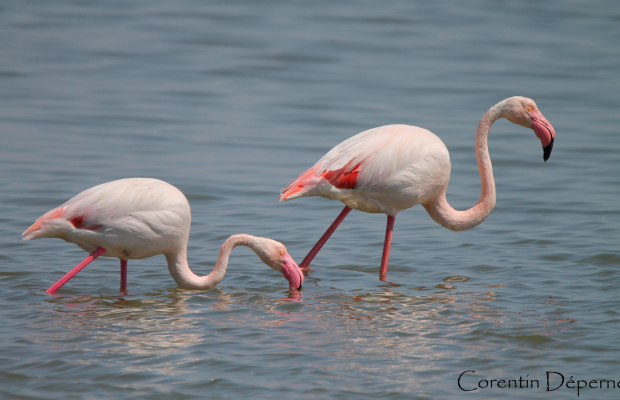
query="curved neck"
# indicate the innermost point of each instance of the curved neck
(185, 278)
(448, 217)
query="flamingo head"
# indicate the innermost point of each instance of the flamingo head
(523, 111)
(275, 255)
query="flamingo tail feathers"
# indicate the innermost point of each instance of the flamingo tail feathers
(301, 185)
(37, 229)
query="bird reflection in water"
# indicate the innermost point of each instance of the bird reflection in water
(138, 326)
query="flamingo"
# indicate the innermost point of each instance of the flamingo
(394, 167)
(138, 218)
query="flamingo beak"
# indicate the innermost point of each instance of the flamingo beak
(292, 272)
(544, 131)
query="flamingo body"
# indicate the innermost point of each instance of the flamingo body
(382, 170)
(131, 218)
(138, 218)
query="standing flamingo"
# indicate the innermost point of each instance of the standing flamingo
(391, 168)
(138, 218)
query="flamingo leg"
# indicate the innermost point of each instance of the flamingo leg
(317, 247)
(75, 270)
(124, 276)
(386, 245)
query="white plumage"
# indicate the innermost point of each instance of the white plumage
(389, 178)
(134, 218)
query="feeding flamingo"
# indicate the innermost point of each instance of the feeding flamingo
(391, 168)
(138, 218)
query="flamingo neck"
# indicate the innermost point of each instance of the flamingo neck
(448, 217)
(185, 278)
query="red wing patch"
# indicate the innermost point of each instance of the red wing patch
(341, 178)
(78, 223)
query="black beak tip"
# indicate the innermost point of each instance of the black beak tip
(547, 150)
(300, 287)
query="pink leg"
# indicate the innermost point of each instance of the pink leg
(317, 247)
(386, 246)
(124, 276)
(75, 270)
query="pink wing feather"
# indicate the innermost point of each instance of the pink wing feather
(365, 160)
(107, 202)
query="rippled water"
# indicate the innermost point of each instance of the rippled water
(230, 101)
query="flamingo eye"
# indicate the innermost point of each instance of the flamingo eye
(529, 108)
(282, 252)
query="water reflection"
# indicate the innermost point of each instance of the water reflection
(398, 317)
(402, 322)
(390, 329)
(130, 326)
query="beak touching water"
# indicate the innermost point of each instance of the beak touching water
(292, 272)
